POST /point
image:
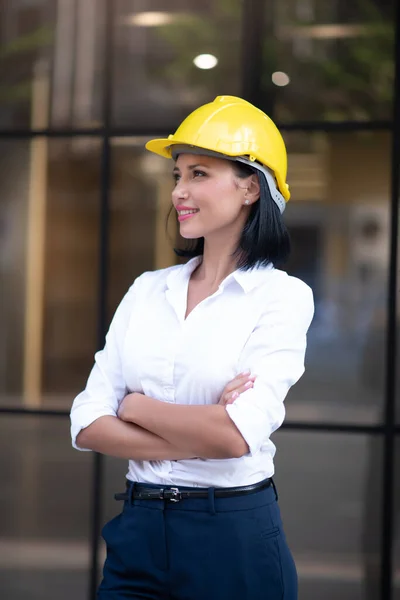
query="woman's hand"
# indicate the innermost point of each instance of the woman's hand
(234, 388)
(126, 409)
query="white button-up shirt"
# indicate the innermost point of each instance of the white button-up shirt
(257, 319)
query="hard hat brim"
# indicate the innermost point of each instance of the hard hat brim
(160, 147)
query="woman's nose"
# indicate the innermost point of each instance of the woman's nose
(180, 191)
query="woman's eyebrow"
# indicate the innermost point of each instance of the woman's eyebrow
(191, 167)
(197, 165)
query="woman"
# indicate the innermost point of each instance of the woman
(191, 382)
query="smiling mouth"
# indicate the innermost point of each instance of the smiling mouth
(186, 214)
(182, 213)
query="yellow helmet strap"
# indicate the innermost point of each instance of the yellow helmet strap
(277, 197)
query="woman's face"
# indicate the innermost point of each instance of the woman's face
(211, 190)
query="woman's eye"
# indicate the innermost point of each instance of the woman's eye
(196, 173)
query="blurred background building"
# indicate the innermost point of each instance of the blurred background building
(83, 85)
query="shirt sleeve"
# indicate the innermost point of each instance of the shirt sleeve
(275, 353)
(106, 386)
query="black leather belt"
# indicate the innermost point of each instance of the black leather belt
(174, 494)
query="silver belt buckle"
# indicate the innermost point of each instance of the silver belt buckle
(176, 494)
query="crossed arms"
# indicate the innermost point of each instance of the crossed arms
(145, 428)
(148, 429)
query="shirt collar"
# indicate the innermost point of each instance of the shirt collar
(247, 280)
(252, 278)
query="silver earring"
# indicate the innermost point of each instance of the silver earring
(247, 201)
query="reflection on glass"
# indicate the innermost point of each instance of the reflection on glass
(53, 45)
(44, 511)
(140, 202)
(14, 178)
(49, 215)
(338, 217)
(72, 259)
(26, 43)
(343, 52)
(329, 489)
(78, 64)
(156, 81)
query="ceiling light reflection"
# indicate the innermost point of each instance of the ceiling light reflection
(280, 78)
(205, 61)
(150, 19)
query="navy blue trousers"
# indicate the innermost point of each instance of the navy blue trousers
(199, 549)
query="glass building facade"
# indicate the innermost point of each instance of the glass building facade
(83, 85)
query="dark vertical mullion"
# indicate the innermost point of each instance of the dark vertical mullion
(74, 61)
(253, 31)
(391, 347)
(53, 19)
(105, 182)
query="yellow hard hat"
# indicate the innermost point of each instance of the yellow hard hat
(233, 127)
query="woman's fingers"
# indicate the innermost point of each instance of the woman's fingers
(232, 396)
(234, 388)
(238, 381)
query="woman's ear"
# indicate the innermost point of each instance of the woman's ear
(253, 188)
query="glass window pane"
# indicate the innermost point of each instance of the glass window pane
(329, 488)
(140, 201)
(156, 82)
(51, 63)
(26, 45)
(49, 215)
(330, 60)
(45, 510)
(339, 217)
(78, 64)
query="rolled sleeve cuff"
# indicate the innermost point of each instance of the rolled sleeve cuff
(251, 424)
(81, 421)
(255, 424)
